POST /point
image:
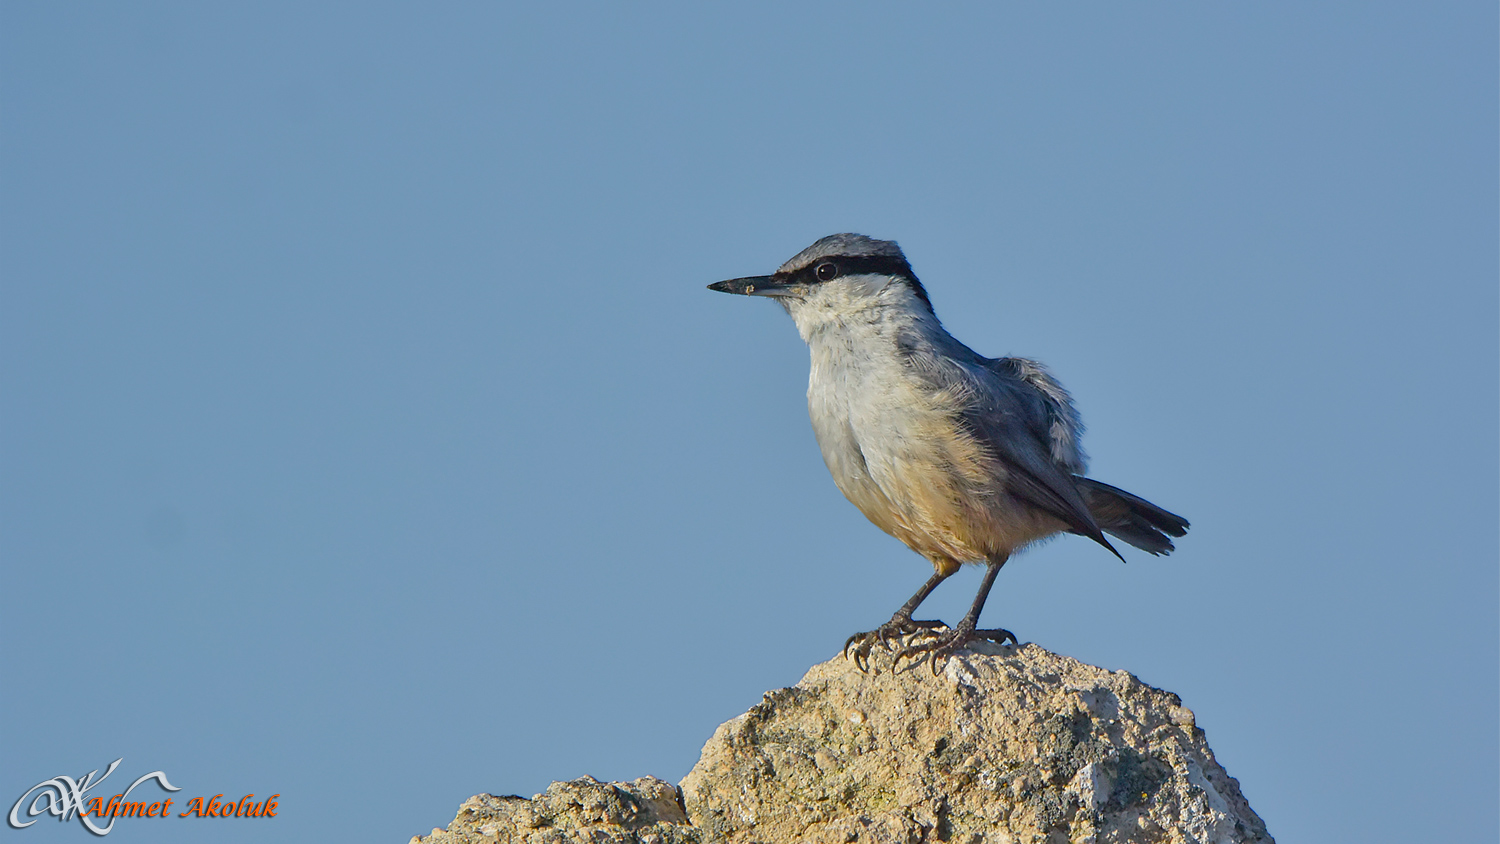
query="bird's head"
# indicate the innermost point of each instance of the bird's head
(837, 276)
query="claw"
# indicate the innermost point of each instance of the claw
(893, 637)
(943, 645)
(914, 654)
(896, 662)
(861, 651)
(999, 636)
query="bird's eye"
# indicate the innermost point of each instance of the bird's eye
(827, 271)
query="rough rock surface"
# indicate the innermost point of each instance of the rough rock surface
(643, 811)
(1010, 745)
(1005, 744)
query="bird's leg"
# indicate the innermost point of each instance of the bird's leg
(900, 625)
(945, 644)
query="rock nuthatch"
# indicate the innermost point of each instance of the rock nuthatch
(964, 458)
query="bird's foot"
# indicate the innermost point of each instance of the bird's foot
(897, 629)
(943, 645)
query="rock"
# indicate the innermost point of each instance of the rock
(1006, 744)
(643, 811)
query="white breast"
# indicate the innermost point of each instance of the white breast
(892, 443)
(895, 443)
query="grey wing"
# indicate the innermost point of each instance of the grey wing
(1059, 424)
(1025, 427)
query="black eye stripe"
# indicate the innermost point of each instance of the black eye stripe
(856, 265)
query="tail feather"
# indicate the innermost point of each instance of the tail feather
(1131, 518)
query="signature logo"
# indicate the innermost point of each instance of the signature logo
(65, 798)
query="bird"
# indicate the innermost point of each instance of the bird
(965, 459)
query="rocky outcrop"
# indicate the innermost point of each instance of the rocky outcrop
(1004, 744)
(1016, 744)
(643, 811)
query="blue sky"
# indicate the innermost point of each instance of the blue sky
(368, 437)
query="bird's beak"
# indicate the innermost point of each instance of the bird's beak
(755, 285)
